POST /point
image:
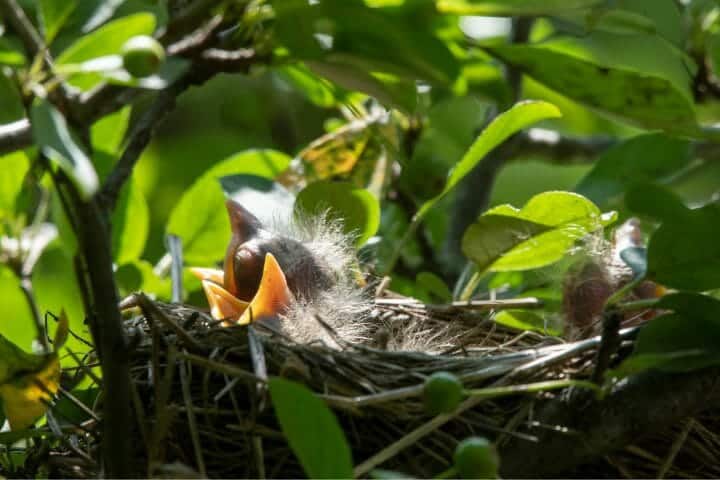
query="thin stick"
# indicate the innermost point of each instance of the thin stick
(675, 448)
(27, 288)
(192, 423)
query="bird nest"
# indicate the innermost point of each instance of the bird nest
(202, 407)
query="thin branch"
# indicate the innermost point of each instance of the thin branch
(27, 288)
(31, 39)
(139, 139)
(15, 135)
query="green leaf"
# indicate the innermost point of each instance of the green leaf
(512, 7)
(53, 136)
(682, 341)
(684, 252)
(450, 127)
(651, 157)
(357, 208)
(525, 320)
(655, 201)
(53, 15)
(11, 105)
(108, 133)
(312, 430)
(200, 218)
(10, 53)
(317, 89)
(388, 89)
(27, 383)
(12, 174)
(131, 222)
(434, 285)
(520, 116)
(542, 232)
(641, 77)
(106, 40)
(350, 33)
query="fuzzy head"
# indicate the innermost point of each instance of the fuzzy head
(300, 274)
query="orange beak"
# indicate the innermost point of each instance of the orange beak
(271, 299)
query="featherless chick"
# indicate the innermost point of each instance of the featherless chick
(297, 276)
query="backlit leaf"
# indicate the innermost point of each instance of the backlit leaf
(312, 430)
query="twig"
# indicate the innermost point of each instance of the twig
(192, 423)
(139, 139)
(15, 135)
(174, 246)
(27, 288)
(15, 15)
(675, 448)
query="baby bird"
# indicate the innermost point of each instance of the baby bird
(298, 276)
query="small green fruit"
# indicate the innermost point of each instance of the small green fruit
(442, 393)
(142, 56)
(475, 457)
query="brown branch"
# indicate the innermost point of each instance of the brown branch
(20, 23)
(15, 135)
(139, 139)
(578, 430)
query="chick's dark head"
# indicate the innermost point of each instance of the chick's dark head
(305, 273)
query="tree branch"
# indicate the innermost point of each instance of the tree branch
(139, 139)
(31, 39)
(15, 135)
(575, 430)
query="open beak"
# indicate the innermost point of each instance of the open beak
(271, 299)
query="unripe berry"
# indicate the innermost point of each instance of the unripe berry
(142, 56)
(442, 393)
(476, 457)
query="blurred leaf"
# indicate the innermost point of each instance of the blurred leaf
(394, 223)
(357, 208)
(53, 136)
(542, 232)
(512, 7)
(639, 77)
(312, 430)
(106, 40)
(665, 16)
(10, 53)
(131, 222)
(200, 218)
(139, 275)
(53, 15)
(520, 116)
(651, 157)
(682, 341)
(108, 133)
(350, 33)
(684, 252)
(654, 201)
(525, 320)
(269, 201)
(27, 383)
(434, 285)
(62, 331)
(11, 103)
(450, 128)
(389, 89)
(67, 412)
(317, 89)
(14, 168)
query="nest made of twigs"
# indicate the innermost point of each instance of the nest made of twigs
(202, 405)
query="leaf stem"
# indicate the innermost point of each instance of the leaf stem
(27, 288)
